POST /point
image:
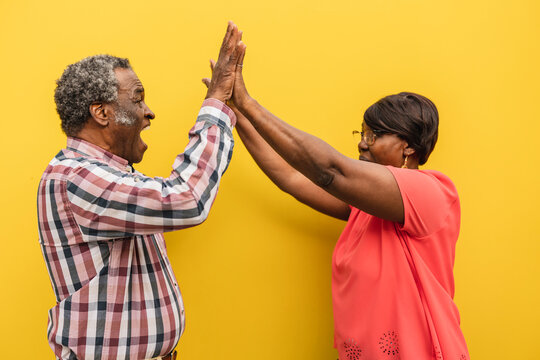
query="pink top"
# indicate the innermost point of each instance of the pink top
(392, 285)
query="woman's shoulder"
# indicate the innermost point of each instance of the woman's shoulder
(442, 179)
(434, 173)
(424, 182)
(429, 198)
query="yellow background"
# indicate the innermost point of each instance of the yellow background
(256, 275)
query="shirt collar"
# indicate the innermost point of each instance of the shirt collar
(86, 148)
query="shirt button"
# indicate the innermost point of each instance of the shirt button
(136, 179)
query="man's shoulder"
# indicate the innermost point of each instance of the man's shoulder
(67, 162)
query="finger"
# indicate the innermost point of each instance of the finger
(233, 58)
(237, 38)
(229, 41)
(226, 40)
(206, 81)
(241, 53)
(212, 64)
(239, 86)
(228, 33)
(233, 40)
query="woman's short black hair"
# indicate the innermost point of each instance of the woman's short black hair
(410, 116)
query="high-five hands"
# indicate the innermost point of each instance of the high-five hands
(224, 70)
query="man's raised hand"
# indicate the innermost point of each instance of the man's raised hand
(221, 85)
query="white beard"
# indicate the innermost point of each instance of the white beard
(123, 118)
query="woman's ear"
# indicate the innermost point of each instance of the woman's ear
(408, 151)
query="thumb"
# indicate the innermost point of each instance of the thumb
(206, 81)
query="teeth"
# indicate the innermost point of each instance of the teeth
(146, 128)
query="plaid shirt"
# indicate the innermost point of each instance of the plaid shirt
(100, 230)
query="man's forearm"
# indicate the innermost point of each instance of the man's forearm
(207, 156)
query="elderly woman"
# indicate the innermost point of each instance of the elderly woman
(392, 281)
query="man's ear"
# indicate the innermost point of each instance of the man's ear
(101, 113)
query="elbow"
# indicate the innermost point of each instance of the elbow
(193, 216)
(323, 171)
(203, 212)
(189, 218)
(324, 178)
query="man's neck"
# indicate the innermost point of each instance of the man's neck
(94, 136)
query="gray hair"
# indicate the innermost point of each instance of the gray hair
(90, 80)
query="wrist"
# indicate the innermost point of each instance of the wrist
(217, 96)
(244, 102)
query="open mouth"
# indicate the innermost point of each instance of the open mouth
(140, 138)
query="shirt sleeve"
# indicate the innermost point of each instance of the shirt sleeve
(429, 200)
(107, 203)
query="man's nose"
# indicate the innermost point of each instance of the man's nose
(149, 114)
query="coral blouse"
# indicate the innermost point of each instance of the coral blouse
(392, 284)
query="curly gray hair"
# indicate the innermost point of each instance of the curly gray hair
(82, 83)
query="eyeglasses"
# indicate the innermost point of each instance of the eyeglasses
(369, 136)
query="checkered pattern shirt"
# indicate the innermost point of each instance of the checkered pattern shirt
(100, 230)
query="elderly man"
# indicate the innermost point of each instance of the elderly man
(101, 222)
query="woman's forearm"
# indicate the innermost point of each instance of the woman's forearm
(308, 154)
(273, 165)
(285, 176)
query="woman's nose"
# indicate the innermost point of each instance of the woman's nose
(362, 145)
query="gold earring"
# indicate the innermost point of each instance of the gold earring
(404, 166)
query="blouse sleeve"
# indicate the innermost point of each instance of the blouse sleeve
(429, 200)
